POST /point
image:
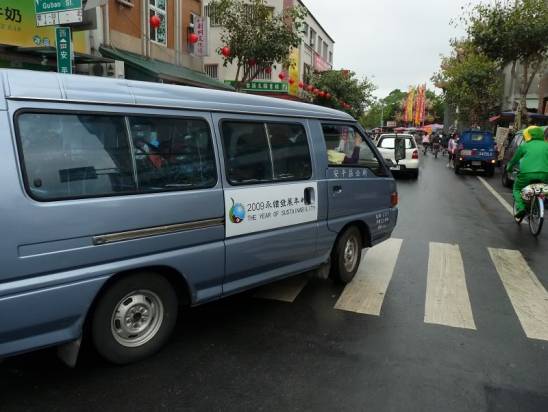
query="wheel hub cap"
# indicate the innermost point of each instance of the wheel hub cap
(137, 318)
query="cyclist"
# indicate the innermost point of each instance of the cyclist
(425, 142)
(533, 164)
(436, 141)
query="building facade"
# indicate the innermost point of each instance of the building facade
(116, 38)
(314, 54)
(538, 92)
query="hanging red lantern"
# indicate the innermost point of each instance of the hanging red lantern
(291, 81)
(155, 21)
(301, 85)
(316, 91)
(193, 38)
(328, 96)
(281, 76)
(225, 51)
(310, 88)
(322, 94)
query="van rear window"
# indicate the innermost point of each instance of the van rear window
(258, 152)
(67, 156)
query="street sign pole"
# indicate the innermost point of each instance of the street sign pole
(63, 44)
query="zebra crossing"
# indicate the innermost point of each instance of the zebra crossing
(447, 300)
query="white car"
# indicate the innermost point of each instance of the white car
(410, 164)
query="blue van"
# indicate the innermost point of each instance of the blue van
(123, 201)
(477, 151)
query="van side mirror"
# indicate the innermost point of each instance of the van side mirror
(399, 149)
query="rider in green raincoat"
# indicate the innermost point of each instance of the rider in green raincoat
(533, 164)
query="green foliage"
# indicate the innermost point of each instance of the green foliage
(471, 81)
(254, 33)
(513, 32)
(391, 108)
(372, 118)
(344, 87)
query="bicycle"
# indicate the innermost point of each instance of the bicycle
(533, 195)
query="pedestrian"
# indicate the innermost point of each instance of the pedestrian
(452, 150)
(425, 142)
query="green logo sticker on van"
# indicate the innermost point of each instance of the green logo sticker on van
(237, 212)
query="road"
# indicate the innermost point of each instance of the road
(449, 315)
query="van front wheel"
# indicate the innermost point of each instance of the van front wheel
(134, 318)
(346, 256)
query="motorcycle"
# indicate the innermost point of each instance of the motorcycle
(435, 149)
(534, 196)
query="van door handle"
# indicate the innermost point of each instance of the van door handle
(337, 189)
(309, 196)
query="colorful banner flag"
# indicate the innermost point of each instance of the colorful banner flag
(408, 114)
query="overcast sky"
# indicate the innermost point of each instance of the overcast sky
(397, 43)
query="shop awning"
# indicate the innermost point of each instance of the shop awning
(79, 58)
(140, 68)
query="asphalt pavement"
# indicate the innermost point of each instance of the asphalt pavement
(454, 320)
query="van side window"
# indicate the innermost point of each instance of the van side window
(69, 155)
(346, 146)
(258, 152)
(172, 153)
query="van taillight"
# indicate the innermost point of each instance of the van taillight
(394, 199)
(415, 154)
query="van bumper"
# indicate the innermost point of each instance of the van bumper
(40, 318)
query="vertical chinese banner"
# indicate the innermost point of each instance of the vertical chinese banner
(200, 28)
(294, 72)
(63, 45)
(409, 105)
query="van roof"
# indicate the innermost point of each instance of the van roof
(34, 85)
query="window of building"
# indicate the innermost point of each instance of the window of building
(307, 72)
(158, 8)
(320, 42)
(258, 152)
(346, 146)
(312, 38)
(263, 74)
(172, 153)
(325, 46)
(305, 31)
(212, 70)
(211, 12)
(331, 57)
(67, 156)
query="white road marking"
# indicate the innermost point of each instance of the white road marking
(447, 300)
(497, 196)
(366, 292)
(285, 290)
(529, 298)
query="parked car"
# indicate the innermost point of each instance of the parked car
(476, 151)
(410, 164)
(513, 145)
(124, 200)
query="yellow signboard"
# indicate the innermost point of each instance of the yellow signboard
(18, 27)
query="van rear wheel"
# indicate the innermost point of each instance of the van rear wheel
(346, 256)
(134, 318)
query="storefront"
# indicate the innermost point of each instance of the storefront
(25, 46)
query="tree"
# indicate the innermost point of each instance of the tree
(513, 33)
(344, 88)
(256, 38)
(372, 117)
(393, 104)
(471, 81)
